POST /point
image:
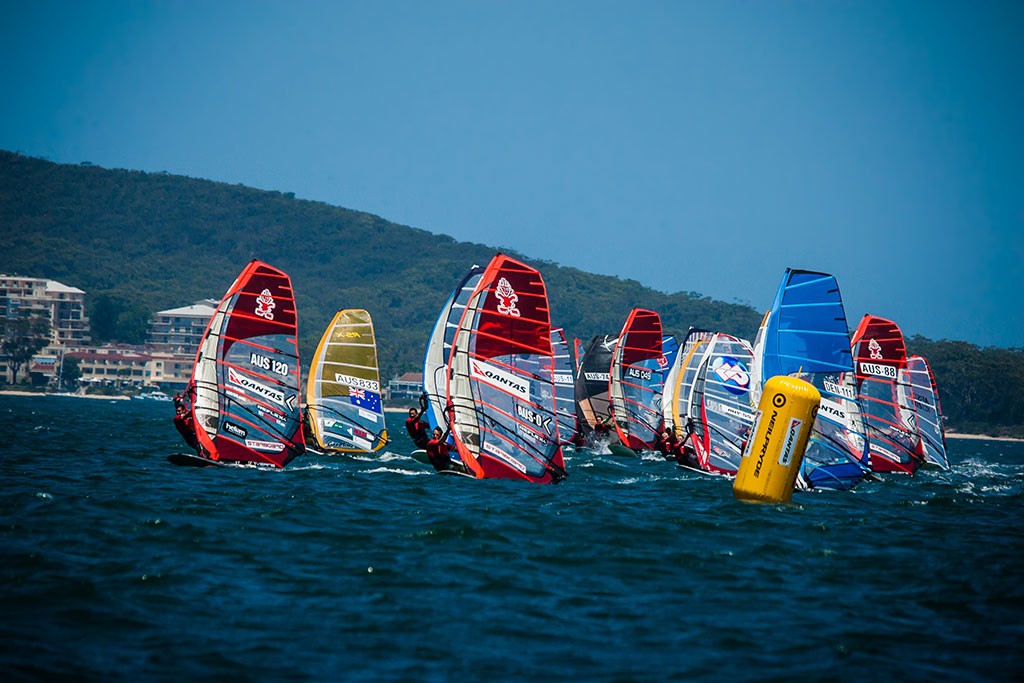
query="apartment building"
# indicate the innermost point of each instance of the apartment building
(62, 305)
(177, 331)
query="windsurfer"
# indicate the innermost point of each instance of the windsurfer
(601, 428)
(686, 454)
(667, 443)
(184, 423)
(438, 450)
(416, 427)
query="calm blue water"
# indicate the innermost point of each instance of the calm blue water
(117, 565)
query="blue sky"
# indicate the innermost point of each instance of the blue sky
(690, 146)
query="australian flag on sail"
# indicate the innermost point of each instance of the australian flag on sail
(362, 398)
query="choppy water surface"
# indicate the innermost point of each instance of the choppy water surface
(117, 565)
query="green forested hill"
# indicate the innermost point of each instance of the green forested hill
(141, 242)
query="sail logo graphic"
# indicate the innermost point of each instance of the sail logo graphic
(726, 409)
(261, 390)
(268, 446)
(507, 299)
(232, 428)
(265, 305)
(834, 411)
(609, 343)
(499, 379)
(732, 373)
(876, 349)
(498, 453)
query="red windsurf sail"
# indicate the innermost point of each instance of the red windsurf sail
(245, 381)
(500, 379)
(637, 379)
(886, 398)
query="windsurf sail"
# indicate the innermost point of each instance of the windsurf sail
(565, 399)
(681, 377)
(578, 350)
(721, 405)
(669, 350)
(592, 401)
(504, 414)
(245, 382)
(929, 411)
(435, 361)
(805, 335)
(343, 394)
(636, 379)
(885, 395)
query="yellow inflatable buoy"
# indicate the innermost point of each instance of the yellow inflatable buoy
(778, 439)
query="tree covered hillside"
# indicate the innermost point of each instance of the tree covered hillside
(142, 242)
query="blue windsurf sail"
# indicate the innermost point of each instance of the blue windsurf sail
(805, 335)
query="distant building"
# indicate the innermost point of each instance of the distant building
(173, 342)
(178, 330)
(406, 386)
(64, 306)
(166, 360)
(118, 365)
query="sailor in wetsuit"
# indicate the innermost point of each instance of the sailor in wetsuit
(438, 451)
(416, 427)
(184, 423)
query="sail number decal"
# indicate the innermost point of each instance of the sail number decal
(840, 390)
(596, 376)
(534, 418)
(357, 382)
(878, 370)
(638, 373)
(269, 364)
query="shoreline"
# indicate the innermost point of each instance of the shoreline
(985, 437)
(15, 392)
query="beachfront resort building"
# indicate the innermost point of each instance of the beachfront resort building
(61, 305)
(178, 330)
(166, 359)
